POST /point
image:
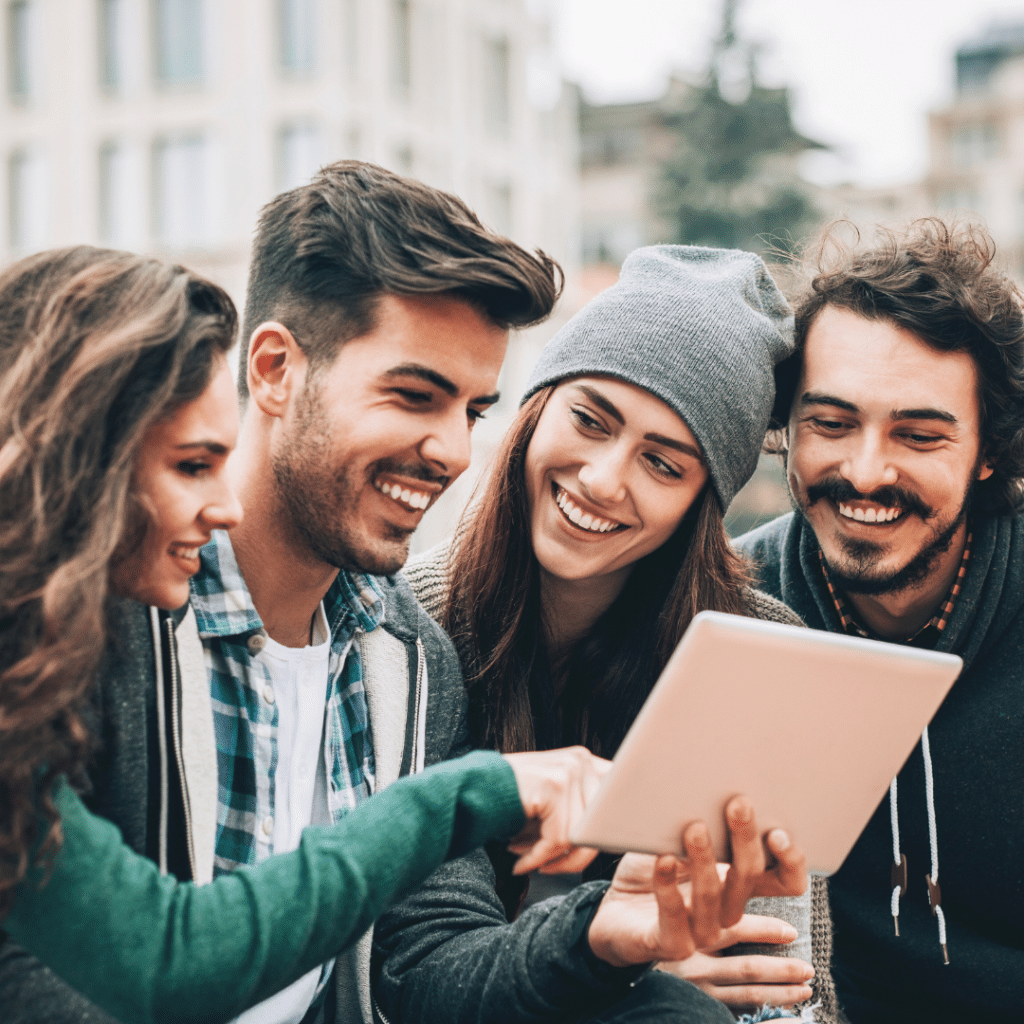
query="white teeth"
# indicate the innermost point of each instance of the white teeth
(585, 520)
(186, 552)
(871, 515)
(410, 497)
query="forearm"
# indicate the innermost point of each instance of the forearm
(149, 949)
(447, 954)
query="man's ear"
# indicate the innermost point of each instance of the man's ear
(276, 368)
(985, 469)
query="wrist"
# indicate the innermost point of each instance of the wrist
(605, 946)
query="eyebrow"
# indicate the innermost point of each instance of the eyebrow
(669, 442)
(601, 402)
(439, 380)
(816, 398)
(213, 447)
(679, 446)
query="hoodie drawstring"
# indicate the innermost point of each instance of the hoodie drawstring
(899, 865)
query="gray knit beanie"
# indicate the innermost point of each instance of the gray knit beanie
(702, 329)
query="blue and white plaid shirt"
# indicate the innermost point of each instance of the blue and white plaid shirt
(245, 721)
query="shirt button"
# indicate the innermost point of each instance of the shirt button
(268, 693)
(268, 825)
(256, 642)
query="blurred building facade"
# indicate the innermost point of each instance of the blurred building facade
(164, 125)
(977, 142)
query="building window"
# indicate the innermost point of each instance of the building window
(497, 92)
(960, 198)
(299, 155)
(499, 207)
(23, 56)
(401, 49)
(182, 199)
(28, 211)
(973, 144)
(121, 205)
(296, 35)
(178, 37)
(352, 39)
(112, 22)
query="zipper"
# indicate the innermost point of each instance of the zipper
(172, 649)
(378, 1011)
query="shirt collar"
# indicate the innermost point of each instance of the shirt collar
(928, 634)
(223, 605)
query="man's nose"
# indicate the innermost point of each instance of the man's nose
(448, 446)
(867, 465)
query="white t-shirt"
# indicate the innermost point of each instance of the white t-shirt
(298, 676)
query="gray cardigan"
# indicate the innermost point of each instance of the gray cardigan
(449, 954)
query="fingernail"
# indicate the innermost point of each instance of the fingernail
(779, 840)
(789, 933)
(742, 813)
(699, 837)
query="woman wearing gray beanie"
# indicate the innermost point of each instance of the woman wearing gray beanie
(599, 534)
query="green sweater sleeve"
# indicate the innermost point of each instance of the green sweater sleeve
(148, 948)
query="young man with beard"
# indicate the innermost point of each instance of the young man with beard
(903, 416)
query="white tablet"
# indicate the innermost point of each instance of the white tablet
(811, 726)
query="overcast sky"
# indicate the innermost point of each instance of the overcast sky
(863, 73)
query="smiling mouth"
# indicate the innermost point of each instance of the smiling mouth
(408, 498)
(872, 514)
(585, 521)
(186, 556)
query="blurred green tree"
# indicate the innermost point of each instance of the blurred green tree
(732, 178)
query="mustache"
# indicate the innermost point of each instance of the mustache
(417, 471)
(836, 489)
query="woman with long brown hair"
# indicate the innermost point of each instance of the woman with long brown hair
(117, 417)
(597, 536)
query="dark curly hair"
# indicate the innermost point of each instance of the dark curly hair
(938, 280)
(95, 347)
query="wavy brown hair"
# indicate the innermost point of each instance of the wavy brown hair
(493, 613)
(939, 281)
(95, 347)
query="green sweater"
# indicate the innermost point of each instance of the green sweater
(148, 948)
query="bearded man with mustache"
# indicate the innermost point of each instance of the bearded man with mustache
(900, 419)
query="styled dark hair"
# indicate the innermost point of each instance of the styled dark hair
(97, 346)
(324, 253)
(493, 614)
(937, 280)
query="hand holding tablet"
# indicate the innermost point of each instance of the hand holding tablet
(662, 908)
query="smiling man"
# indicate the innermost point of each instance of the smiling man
(377, 319)
(903, 411)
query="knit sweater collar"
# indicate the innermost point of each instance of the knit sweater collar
(992, 594)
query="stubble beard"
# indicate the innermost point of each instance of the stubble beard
(320, 506)
(858, 573)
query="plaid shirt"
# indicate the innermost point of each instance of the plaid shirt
(245, 722)
(928, 635)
